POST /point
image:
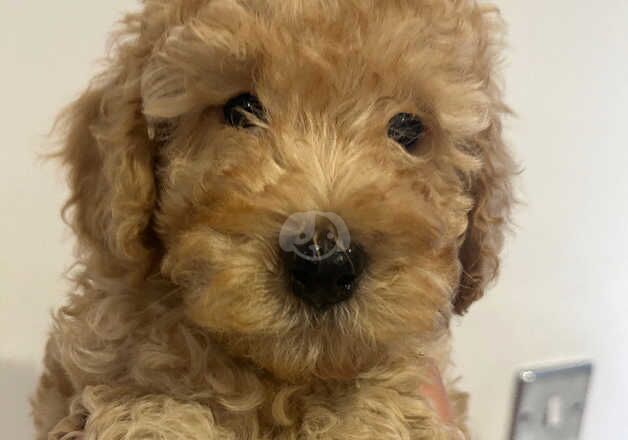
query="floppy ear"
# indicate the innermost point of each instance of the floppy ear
(109, 148)
(493, 199)
(109, 157)
(490, 185)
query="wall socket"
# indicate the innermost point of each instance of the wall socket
(550, 402)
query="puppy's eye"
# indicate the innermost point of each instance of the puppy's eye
(406, 129)
(236, 109)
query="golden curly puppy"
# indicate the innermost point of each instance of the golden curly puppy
(279, 206)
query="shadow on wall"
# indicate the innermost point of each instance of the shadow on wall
(17, 382)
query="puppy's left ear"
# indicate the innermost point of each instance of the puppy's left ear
(488, 220)
(491, 186)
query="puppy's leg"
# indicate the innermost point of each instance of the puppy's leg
(51, 401)
(385, 405)
(123, 414)
(392, 413)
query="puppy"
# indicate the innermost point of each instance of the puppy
(279, 207)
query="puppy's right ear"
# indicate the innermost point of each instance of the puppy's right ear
(110, 161)
(109, 151)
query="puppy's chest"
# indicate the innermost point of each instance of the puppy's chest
(242, 399)
(384, 407)
(188, 366)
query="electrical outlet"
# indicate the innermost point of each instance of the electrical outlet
(550, 402)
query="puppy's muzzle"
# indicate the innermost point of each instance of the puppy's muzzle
(322, 270)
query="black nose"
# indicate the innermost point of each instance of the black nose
(323, 271)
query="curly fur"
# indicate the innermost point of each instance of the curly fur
(181, 326)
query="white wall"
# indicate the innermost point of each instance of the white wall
(564, 289)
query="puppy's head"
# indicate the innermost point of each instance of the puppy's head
(322, 180)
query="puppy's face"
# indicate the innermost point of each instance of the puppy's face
(317, 170)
